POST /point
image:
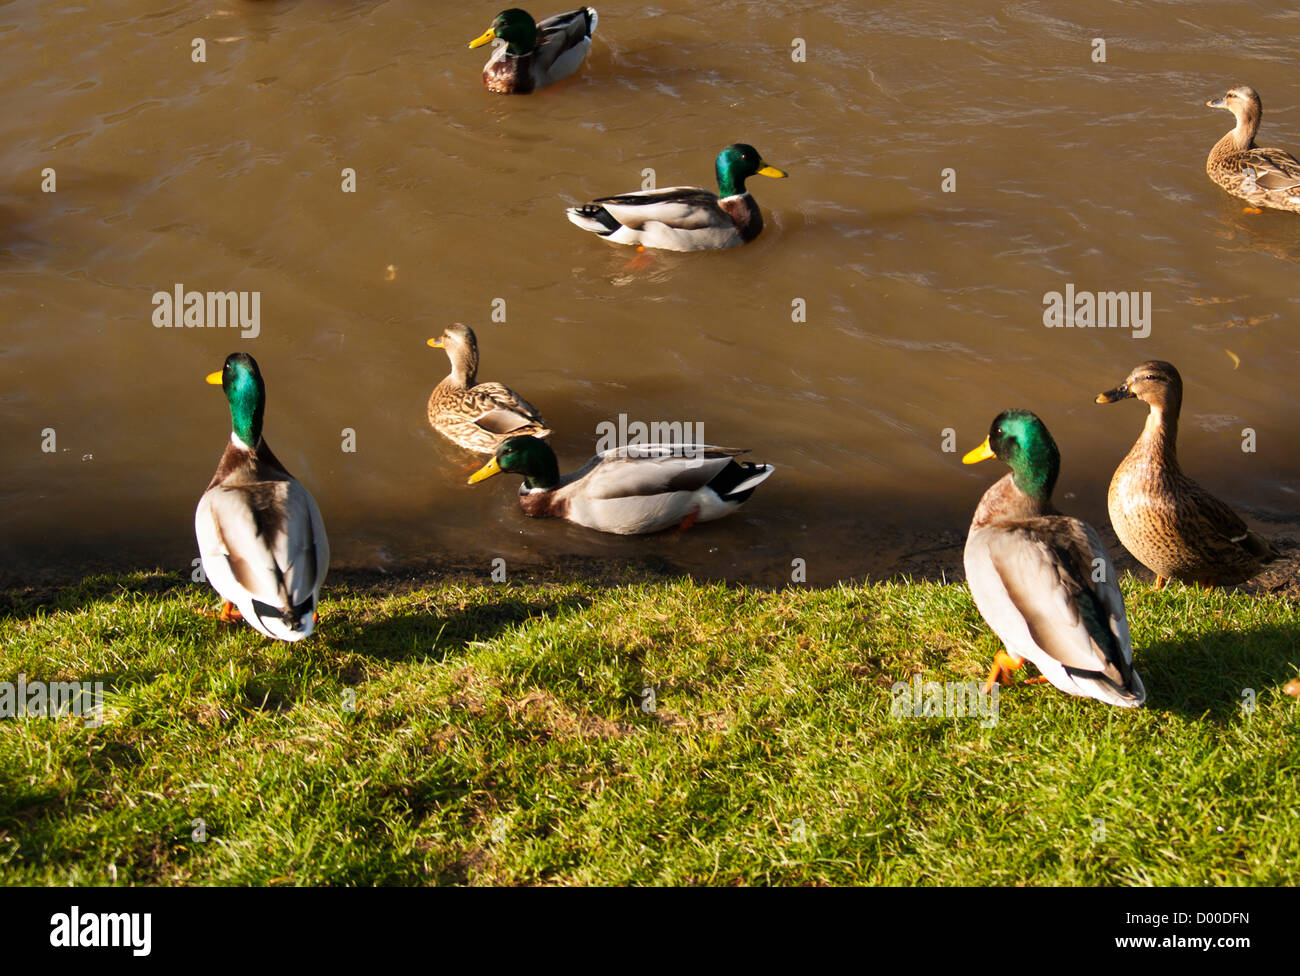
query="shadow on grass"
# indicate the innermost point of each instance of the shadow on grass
(24, 602)
(437, 636)
(1213, 674)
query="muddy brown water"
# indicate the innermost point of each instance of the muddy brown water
(924, 308)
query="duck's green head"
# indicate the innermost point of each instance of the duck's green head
(527, 456)
(514, 26)
(241, 381)
(1021, 441)
(736, 164)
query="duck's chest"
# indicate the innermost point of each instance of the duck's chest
(744, 212)
(542, 504)
(508, 74)
(1142, 484)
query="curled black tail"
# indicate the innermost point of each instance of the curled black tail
(594, 217)
(737, 481)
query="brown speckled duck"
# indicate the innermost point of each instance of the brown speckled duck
(1171, 524)
(476, 416)
(1262, 177)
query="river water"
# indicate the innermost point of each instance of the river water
(950, 165)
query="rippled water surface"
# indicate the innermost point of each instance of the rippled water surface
(924, 308)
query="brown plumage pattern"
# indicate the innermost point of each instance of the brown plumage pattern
(1167, 521)
(1263, 177)
(477, 416)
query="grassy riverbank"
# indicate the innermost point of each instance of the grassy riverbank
(452, 731)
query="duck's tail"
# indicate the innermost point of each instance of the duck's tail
(595, 218)
(737, 481)
(1097, 684)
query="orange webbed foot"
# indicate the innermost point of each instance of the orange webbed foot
(230, 613)
(1000, 672)
(1252, 210)
(642, 260)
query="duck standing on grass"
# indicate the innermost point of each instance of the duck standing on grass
(1042, 580)
(535, 55)
(1262, 177)
(685, 218)
(629, 490)
(261, 538)
(476, 416)
(1168, 522)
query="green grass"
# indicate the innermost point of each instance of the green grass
(499, 737)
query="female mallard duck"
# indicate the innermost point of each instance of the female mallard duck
(535, 55)
(1042, 580)
(261, 539)
(476, 416)
(1263, 177)
(685, 218)
(629, 490)
(1171, 524)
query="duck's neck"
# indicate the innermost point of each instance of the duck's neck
(729, 184)
(246, 409)
(1243, 136)
(464, 367)
(1005, 501)
(1160, 435)
(543, 475)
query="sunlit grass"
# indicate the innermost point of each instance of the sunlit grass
(663, 732)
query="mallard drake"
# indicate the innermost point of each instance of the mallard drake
(1167, 521)
(476, 416)
(1263, 177)
(1042, 580)
(685, 218)
(629, 490)
(261, 539)
(535, 55)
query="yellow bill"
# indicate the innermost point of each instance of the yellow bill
(485, 472)
(436, 342)
(483, 38)
(772, 171)
(981, 453)
(213, 378)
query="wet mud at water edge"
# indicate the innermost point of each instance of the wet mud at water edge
(950, 168)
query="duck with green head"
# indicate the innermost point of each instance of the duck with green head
(630, 490)
(261, 539)
(1168, 522)
(535, 54)
(1262, 177)
(1042, 580)
(685, 218)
